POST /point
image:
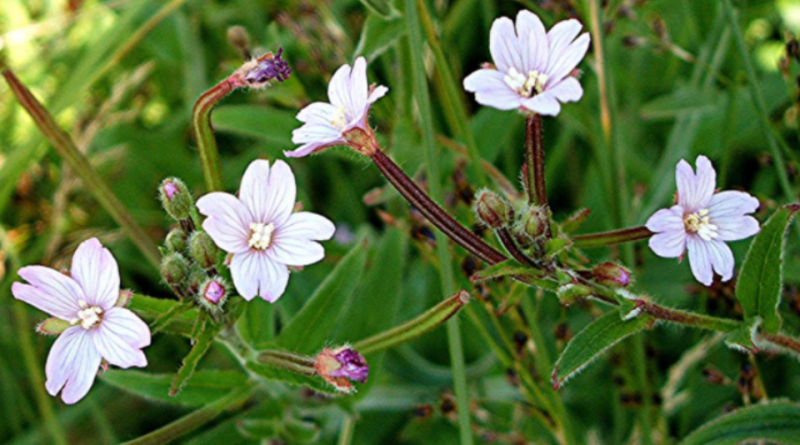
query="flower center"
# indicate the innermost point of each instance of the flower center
(88, 316)
(700, 223)
(528, 86)
(260, 235)
(339, 118)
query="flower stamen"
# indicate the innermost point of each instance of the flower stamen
(88, 316)
(528, 86)
(261, 235)
(700, 223)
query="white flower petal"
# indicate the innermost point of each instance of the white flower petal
(700, 259)
(668, 244)
(568, 90)
(96, 270)
(306, 225)
(721, 258)
(318, 113)
(670, 219)
(358, 87)
(376, 94)
(254, 273)
(735, 228)
(253, 188)
(316, 133)
(695, 191)
(731, 203)
(533, 44)
(559, 38)
(72, 365)
(50, 291)
(561, 65)
(228, 221)
(338, 86)
(490, 90)
(503, 45)
(296, 252)
(280, 195)
(120, 337)
(545, 104)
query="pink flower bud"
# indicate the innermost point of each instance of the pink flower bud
(340, 366)
(611, 274)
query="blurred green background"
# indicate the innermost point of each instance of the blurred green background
(121, 76)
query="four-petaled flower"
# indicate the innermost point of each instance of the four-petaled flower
(532, 67)
(328, 124)
(261, 231)
(99, 330)
(702, 221)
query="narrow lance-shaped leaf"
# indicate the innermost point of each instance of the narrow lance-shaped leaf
(205, 386)
(776, 422)
(204, 341)
(593, 341)
(308, 330)
(758, 288)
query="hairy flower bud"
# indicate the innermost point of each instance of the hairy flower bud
(493, 210)
(175, 198)
(571, 293)
(174, 269)
(203, 250)
(611, 274)
(258, 73)
(176, 240)
(340, 366)
(213, 293)
(533, 222)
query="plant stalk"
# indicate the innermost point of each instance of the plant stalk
(612, 237)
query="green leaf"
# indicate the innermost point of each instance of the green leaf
(268, 124)
(383, 8)
(307, 331)
(777, 422)
(257, 326)
(743, 339)
(260, 428)
(759, 285)
(593, 341)
(292, 378)
(150, 308)
(379, 35)
(682, 101)
(204, 387)
(204, 341)
(504, 269)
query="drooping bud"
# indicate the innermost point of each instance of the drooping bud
(492, 209)
(263, 70)
(174, 269)
(213, 293)
(176, 240)
(611, 274)
(203, 250)
(340, 366)
(175, 198)
(533, 222)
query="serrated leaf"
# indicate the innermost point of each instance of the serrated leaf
(201, 346)
(307, 331)
(592, 342)
(204, 387)
(758, 287)
(777, 422)
(378, 35)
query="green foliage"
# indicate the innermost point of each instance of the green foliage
(204, 387)
(777, 422)
(761, 279)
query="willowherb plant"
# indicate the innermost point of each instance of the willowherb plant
(226, 249)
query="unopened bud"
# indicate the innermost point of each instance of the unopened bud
(533, 222)
(571, 293)
(174, 269)
(175, 198)
(176, 240)
(340, 366)
(260, 72)
(203, 250)
(213, 293)
(493, 210)
(611, 274)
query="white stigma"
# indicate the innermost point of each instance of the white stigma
(260, 235)
(528, 86)
(88, 316)
(700, 223)
(339, 118)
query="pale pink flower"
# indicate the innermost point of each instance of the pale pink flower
(702, 221)
(532, 67)
(326, 124)
(100, 330)
(261, 231)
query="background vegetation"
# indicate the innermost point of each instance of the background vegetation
(664, 80)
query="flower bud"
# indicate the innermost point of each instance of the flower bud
(611, 274)
(213, 293)
(175, 198)
(176, 240)
(533, 222)
(493, 210)
(174, 269)
(340, 366)
(260, 72)
(203, 250)
(571, 293)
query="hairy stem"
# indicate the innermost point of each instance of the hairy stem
(612, 237)
(204, 134)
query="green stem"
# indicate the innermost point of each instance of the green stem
(442, 248)
(612, 237)
(760, 104)
(348, 430)
(80, 165)
(689, 318)
(428, 321)
(195, 420)
(286, 360)
(204, 134)
(451, 98)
